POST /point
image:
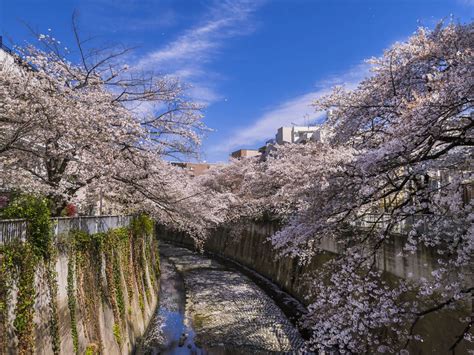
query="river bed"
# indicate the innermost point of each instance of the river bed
(207, 308)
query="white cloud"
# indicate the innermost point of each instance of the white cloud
(166, 18)
(297, 110)
(204, 93)
(186, 57)
(466, 2)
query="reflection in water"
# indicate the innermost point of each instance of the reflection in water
(230, 313)
(169, 331)
(177, 335)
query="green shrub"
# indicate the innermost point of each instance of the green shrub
(36, 211)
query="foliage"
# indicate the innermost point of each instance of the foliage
(117, 333)
(6, 264)
(22, 261)
(141, 304)
(397, 156)
(92, 349)
(116, 245)
(118, 285)
(26, 261)
(36, 211)
(51, 141)
(51, 276)
(142, 225)
(71, 297)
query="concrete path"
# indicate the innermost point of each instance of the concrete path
(224, 312)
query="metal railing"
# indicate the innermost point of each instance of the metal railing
(12, 230)
(16, 229)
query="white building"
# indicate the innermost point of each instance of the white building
(11, 61)
(6, 55)
(299, 134)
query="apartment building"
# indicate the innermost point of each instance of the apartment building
(299, 134)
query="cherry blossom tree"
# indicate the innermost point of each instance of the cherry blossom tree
(70, 129)
(398, 164)
(411, 125)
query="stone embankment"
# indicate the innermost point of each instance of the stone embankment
(223, 311)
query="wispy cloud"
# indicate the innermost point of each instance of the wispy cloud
(186, 57)
(297, 110)
(466, 2)
(129, 16)
(164, 19)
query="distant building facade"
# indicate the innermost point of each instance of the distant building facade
(245, 153)
(285, 135)
(11, 60)
(295, 135)
(299, 134)
(193, 169)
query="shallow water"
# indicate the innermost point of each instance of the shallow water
(170, 332)
(174, 326)
(231, 314)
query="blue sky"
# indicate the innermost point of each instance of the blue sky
(256, 64)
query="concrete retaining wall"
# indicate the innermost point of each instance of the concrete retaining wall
(94, 310)
(251, 248)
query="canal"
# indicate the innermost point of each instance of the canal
(206, 307)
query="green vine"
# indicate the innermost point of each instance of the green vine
(39, 228)
(51, 276)
(6, 264)
(24, 310)
(118, 285)
(131, 260)
(117, 334)
(71, 296)
(109, 276)
(88, 275)
(142, 228)
(92, 349)
(37, 247)
(141, 304)
(142, 225)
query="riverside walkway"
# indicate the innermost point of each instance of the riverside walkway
(207, 308)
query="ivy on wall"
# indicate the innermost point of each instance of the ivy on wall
(6, 264)
(127, 255)
(21, 261)
(36, 211)
(125, 252)
(71, 296)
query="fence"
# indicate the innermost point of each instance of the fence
(12, 229)
(15, 229)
